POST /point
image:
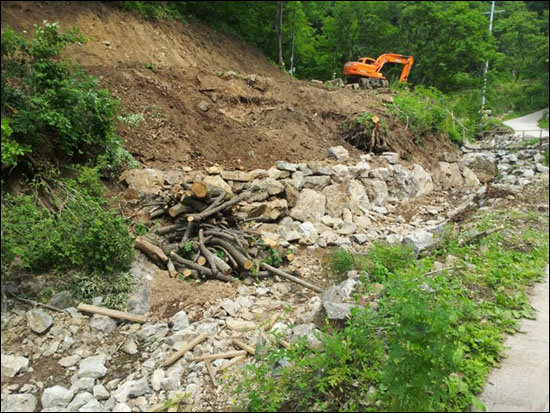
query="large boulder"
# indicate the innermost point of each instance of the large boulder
(419, 240)
(216, 180)
(310, 206)
(146, 181)
(339, 153)
(483, 165)
(11, 365)
(422, 180)
(19, 403)
(377, 191)
(39, 321)
(403, 186)
(337, 199)
(449, 175)
(358, 199)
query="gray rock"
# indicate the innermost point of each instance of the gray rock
(93, 367)
(179, 321)
(360, 170)
(92, 406)
(419, 240)
(277, 173)
(80, 400)
(56, 396)
(391, 157)
(470, 178)
(541, 168)
(19, 403)
(336, 200)
(194, 390)
(130, 347)
(100, 392)
(341, 173)
(336, 313)
(394, 239)
(241, 325)
(449, 175)
(380, 173)
(208, 327)
(358, 201)
(239, 176)
(103, 324)
(149, 331)
(319, 169)
(483, 165)
(339, 153)
(422, 180)
(360, 238)
(97, 301)
(12, 365)
(38, 320)
(297, 180)
(309, 332)
(403, 186)
(310, 206)
(62, 299)
(121, 407)
(156, 379)
(69, 361)
(203, 105)
(286, 166)
(147, 182)
(230, 307)
(316, 182)
(216, 180)
(83, 384)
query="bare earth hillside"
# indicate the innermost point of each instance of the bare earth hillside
(206, 97)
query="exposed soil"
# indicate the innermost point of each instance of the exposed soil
(197, 115)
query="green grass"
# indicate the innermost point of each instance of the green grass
(543, 122)
(430, 342)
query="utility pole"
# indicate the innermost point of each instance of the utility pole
(292, 48)
(487, 61)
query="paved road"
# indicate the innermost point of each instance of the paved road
(528, 123)
(520, 384)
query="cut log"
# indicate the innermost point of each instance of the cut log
(243, 345)
(201, 269)
(199, 190)
(201, 261)
(151, 250)
(221, 265)
(136, 318)
(225, 355)
(221, 207)
(291, 277)
(241, 259)
(179, 209)
(207, 254)
(171, 269)
(168, 229)
(284, 344)
(157, 213)
(232, 362)
(211, 373)
(184, 350)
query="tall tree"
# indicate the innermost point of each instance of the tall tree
(279, 26)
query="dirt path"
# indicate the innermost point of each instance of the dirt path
(528, 123)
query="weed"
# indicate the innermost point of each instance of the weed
(133, 120)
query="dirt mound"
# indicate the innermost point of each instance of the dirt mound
(204, 97)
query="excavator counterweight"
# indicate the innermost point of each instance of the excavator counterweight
(367, 72)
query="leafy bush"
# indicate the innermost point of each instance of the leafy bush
(431, 341)
(11, 150)
(426, 109)
(81, 233)
(53, 105)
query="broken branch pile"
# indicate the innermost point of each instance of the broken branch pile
(205, 237)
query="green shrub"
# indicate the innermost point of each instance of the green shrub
(426, 110)
(431, 340)
(52, 104)
(81, 233)
(11, 150)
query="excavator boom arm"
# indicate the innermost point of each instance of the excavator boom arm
(406, 61)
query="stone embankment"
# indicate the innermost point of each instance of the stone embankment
(70, 361)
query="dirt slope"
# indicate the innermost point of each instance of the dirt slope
(194, 114)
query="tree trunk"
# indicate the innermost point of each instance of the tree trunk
(280, 32)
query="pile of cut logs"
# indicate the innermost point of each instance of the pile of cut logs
(205, 237)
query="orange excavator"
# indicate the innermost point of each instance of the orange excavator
(366, 70)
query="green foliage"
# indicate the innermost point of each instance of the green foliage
(53, 105)
(150, 66)
(82, 233)
(543, 122)
(433, 339)
(114, 290)
(546, 161)
(133, 120)
(427, 110)
(273, 258)
(155, 10)
(11, 149)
